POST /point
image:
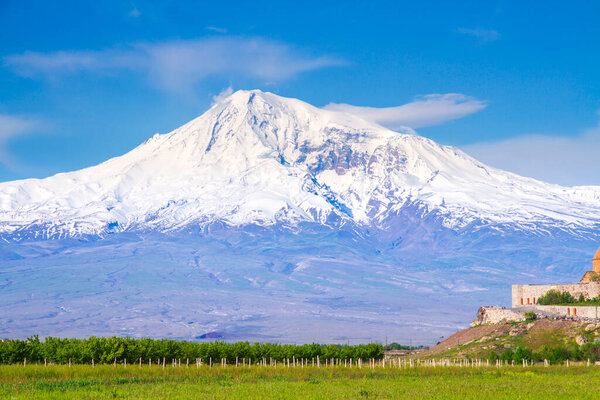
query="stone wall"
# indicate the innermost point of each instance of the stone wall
(590, 312)
(494, 315)
(523, 295)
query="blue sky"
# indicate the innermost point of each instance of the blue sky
(516, 84)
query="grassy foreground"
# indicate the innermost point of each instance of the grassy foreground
(105, 381)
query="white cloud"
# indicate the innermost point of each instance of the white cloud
(11, 127)
(429, 110)
(61, 63)
(223, 95)
(178, 65)
(566, 160)
(484, 35)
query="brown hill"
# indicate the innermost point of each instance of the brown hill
(479, 341)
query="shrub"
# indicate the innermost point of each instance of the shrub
(529, 315)
(522, 353)
(553, 297)
(397, 346)
(507, 354)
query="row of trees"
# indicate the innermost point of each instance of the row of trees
(107, 349)
(556, 355)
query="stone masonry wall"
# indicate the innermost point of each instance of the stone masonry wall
(591, 312)
(523, 295)
(494, 315)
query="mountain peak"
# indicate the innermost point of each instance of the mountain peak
(241, 96)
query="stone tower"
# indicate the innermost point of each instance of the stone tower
(595, 268)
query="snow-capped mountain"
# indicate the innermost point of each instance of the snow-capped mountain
(270, 219)
(258, 158)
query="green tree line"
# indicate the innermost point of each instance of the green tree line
(104, 350)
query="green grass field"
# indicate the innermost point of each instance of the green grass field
(106, 381)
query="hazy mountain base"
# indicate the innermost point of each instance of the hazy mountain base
(309, 283)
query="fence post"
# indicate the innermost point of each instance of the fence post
(69, 363)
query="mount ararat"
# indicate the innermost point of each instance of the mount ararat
(267, 218)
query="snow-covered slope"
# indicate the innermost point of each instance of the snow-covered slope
(259, 158)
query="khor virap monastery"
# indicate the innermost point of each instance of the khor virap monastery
(524, 299)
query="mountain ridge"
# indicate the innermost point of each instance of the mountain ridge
(258, 158)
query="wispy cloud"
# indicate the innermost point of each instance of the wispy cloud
(566, 160)
(216, 29)
(223, 95)
(10, 128)
(178, 65)
(135, 13)
(483, 35)
(429, 110)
